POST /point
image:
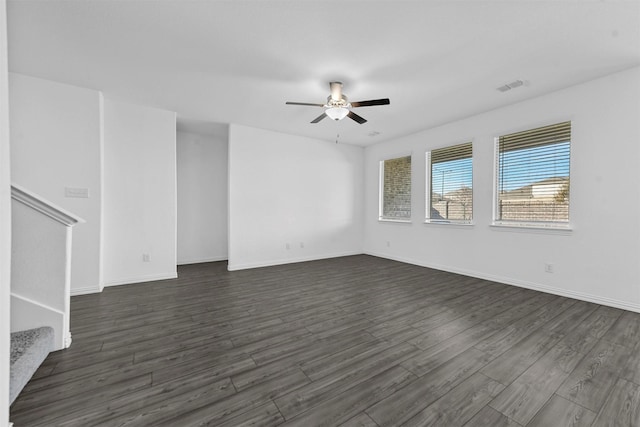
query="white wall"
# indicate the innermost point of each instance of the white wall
(286, 189)
(202, 196)
(59, 133)
(38, 236)
(597, 261)
(56, 143)
(5, 221)
(139, 193)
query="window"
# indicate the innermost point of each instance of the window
(395, 189)
(533, 177)
(450, 184)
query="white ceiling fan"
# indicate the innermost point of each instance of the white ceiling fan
(338, 106)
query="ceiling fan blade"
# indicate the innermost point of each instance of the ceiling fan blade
(320, 117)
(304, 103)
(356, 117)
(384, 101)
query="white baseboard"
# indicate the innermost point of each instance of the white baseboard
(67, 339)
(234, 267)
(201, 260)
(516, 282)
(140, 279)
(85, 291)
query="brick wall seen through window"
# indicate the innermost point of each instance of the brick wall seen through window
(396, 188)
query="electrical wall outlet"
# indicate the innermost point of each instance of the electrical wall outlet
(548, 268)
(146, 258)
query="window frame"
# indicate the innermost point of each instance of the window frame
(381, 163)
(429, 191)
(524, 225)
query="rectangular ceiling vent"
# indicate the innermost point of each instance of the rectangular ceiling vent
(511, 85)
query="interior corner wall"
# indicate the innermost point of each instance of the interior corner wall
(139, 193)
(101, 233)
(202, 196)
(597, 261)
(5, 222)
(56, 143)
(292, 198)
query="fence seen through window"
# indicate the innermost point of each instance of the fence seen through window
(450, 184)
(533, 175)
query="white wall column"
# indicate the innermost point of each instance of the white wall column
(139, 235)
(5, 222)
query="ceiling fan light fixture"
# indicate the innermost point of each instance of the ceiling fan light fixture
(337, 113)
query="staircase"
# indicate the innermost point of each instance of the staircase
(40, 283)
(28, 351)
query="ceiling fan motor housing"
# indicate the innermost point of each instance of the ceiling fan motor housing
(336, 91)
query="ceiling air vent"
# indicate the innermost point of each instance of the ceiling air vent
(511, 85)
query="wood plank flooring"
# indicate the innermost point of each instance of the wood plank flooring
(353, 341)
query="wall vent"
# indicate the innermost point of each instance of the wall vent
(510, 86)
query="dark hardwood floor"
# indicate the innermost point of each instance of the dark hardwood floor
(353, 341)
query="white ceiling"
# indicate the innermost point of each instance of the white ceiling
(239, 61)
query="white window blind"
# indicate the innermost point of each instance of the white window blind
(450, 184)
(533, 176)
(395, 189)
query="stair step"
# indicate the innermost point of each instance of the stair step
(28, 350)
